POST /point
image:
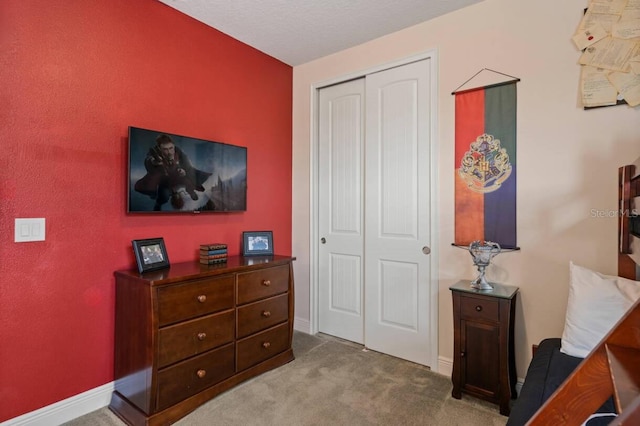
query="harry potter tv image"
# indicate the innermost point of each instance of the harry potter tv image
(172, 173)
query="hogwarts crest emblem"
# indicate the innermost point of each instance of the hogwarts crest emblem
(486, 165)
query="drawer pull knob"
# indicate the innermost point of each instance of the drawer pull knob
(266, 345)
(202, 336)
(266, 314)
(201, 373)
(202, 298)
(462, 354)
(479, 308)
(266, 283)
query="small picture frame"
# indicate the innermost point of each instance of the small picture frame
(257, 243)
(151, 254)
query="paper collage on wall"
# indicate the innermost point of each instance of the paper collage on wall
(609, 37)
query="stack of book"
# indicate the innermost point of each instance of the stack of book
(213, 253)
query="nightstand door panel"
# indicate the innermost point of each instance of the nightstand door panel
(480, 358)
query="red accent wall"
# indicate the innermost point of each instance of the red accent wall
(74, 75)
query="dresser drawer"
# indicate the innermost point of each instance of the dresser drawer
(187, 378)
(262, 346)
(479, 308)
(261, 315)
(262, 283)
(194, 298)
(190, 338)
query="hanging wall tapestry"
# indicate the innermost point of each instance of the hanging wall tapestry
(485, 162)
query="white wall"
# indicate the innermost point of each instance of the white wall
(567, 158)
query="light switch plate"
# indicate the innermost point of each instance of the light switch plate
(32, 229)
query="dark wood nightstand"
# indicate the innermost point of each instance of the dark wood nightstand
(483, 356)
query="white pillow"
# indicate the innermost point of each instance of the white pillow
(595, 305)
(630, 288)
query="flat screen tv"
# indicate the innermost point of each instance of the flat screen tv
(169, 173)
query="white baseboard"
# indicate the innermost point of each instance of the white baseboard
(519, 384)
(303, 325)
(66, 410)
(445, 366)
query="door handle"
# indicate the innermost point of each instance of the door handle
(323, 240)
(426, 250)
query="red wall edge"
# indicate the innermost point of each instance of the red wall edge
(75, 74)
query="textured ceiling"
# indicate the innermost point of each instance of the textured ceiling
(299, 31)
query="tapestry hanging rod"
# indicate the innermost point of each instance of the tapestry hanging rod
(513, 80)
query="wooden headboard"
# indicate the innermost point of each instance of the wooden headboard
(629, 221)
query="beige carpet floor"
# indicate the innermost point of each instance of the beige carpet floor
(334, 382)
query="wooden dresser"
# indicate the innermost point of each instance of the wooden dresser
(185, 334)
(483, 348)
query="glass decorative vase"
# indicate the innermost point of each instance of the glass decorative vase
(482, 252)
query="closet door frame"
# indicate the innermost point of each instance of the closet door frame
(314, 166)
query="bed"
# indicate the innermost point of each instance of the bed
(571, 381)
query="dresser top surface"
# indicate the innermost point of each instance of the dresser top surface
(180, 271)
(499, 290)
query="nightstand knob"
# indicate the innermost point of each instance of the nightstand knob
(266, 283)
(266, 345)
(202, 298)
(462, 354)
(201, 373)
(266, 314)
(202, 336)
(478, 308)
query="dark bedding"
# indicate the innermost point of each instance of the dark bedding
(548, 369)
